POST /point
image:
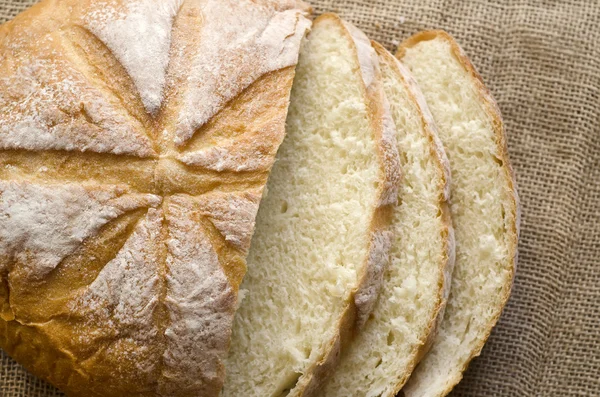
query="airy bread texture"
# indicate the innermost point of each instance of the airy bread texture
(417, 283)
(484, 207)
(322, 241)
(136, 138)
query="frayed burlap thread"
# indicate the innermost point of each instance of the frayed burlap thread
(541, 60)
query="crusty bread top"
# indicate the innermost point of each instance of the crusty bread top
(422, 381)
(136, 138)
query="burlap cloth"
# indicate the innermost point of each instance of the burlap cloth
(541, 60)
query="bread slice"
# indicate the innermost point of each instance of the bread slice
(416, 285)
(322, 238)
(484, 207)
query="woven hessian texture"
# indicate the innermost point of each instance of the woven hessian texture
(541, 60)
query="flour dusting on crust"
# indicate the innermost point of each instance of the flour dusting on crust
(140, 38)
(378, 261)
(245, 154)
(240, 41)
(367, 57)
(127, 286)
(118, 309)
(46, 104)
(41, 225)
(389, 152)
(233, 214)
(201, 305)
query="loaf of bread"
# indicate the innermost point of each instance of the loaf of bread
(417, 283)
(322, 238)
(136, 138)
(485, 210)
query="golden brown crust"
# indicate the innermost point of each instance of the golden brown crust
(42, 333)
(310, 383)
(493, 112)
(116, 315)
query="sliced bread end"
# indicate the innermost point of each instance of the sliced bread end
(484, 206)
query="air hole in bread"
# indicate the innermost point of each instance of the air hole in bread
(390, 338)
(6, 312)
(290, 386)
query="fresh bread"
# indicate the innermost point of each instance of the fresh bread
(136, 138)
(322, 237)
(484, 207)
(416, 285)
